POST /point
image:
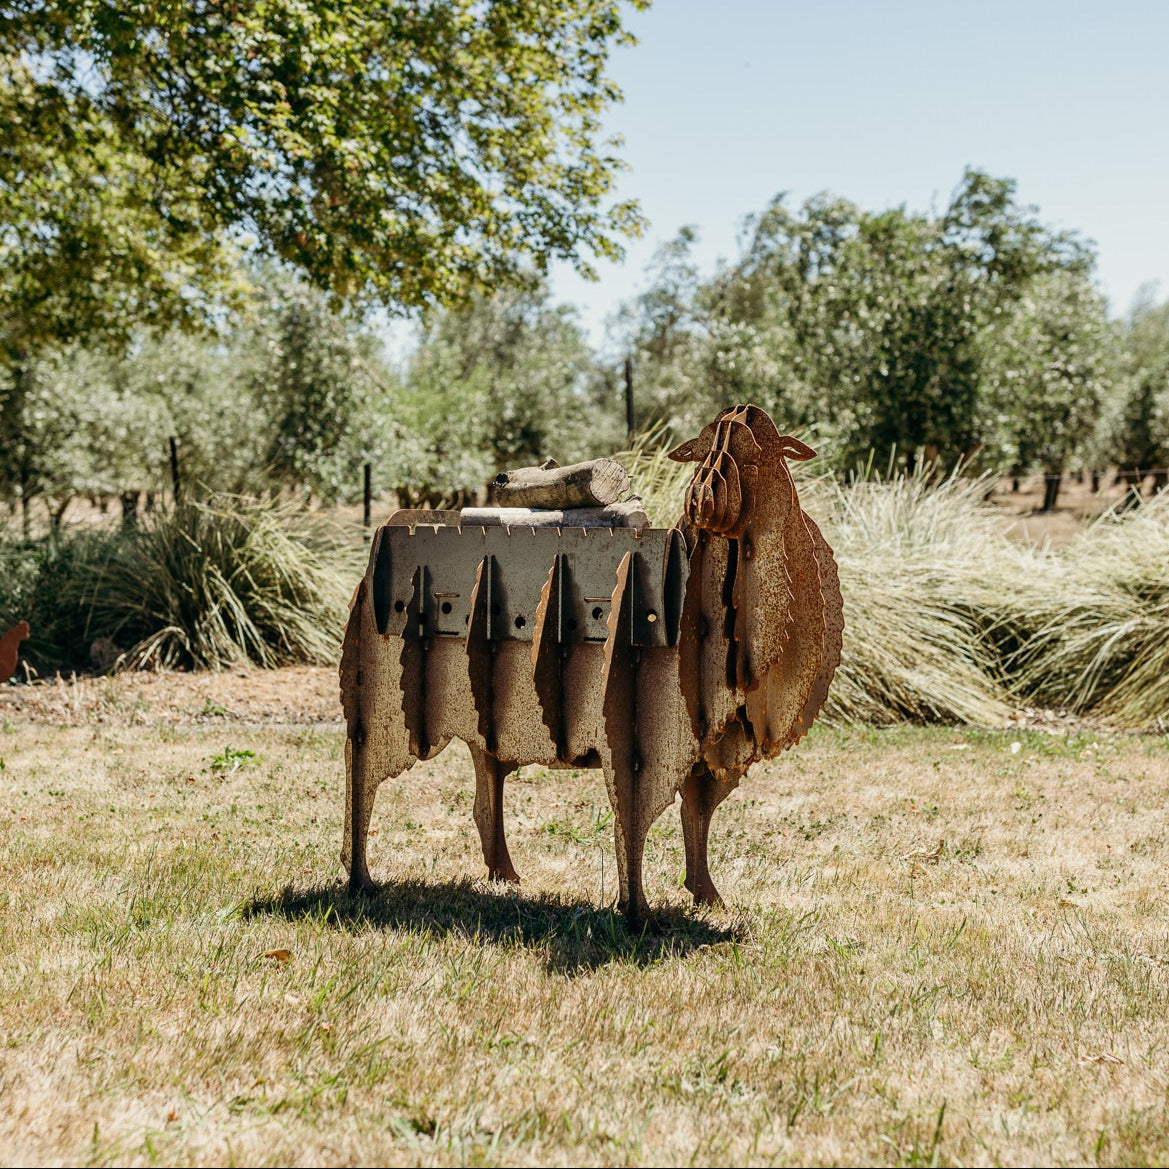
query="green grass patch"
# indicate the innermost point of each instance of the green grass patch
(186, 980)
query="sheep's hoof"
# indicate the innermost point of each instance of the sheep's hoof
(704, 892)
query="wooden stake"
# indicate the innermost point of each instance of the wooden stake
(630, 420)
(176, 482)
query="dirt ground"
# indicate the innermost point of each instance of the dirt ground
(1077, 506)
(295, 696)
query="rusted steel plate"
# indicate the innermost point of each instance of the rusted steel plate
(523, 557)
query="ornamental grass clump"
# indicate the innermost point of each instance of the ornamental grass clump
(1098, 614)
(658, 481)
(923, 565)
(220, 581)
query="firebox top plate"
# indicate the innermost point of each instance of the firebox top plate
(442, 560)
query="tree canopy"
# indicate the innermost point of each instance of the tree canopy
(883, 328)
(1141, 440)
(393, 152)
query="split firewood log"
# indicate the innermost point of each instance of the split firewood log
(596, 483)
(630, 514)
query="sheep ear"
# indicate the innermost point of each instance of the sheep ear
(794, 449)
(696, 449)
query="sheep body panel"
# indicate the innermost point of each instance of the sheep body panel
(521, 735)
(833, 630)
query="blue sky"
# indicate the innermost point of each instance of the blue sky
(729, 102)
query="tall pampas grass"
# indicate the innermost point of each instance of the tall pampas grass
(216, 582)
(914, 557)
(1097, 614)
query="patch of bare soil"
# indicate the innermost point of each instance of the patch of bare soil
(294, 696)
(1076, 507)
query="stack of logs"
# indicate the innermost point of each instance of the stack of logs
(583, 495)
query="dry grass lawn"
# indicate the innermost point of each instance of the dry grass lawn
(183, 979)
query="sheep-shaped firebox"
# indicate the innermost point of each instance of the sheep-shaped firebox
(673, 659)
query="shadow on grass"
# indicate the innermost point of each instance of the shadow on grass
(576, 934)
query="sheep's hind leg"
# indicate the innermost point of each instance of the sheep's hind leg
(702, 792)
(489, 777)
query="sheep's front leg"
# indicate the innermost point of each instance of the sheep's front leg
(360, 790)
(701, 794)
(630, 827)
(489, 777)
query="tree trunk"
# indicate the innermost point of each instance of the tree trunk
(57, 514)
(130, 509)
(1051, 485)
(1095, 482)
(13, 429)
(929, 460)
(1132, 494)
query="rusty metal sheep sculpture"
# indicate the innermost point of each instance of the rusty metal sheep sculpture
(673, 659)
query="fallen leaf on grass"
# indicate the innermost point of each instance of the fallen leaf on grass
(930, 857)
(1107, 1057)
(279, 955)
(1064, 903)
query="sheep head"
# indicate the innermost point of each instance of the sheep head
(730, 452)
